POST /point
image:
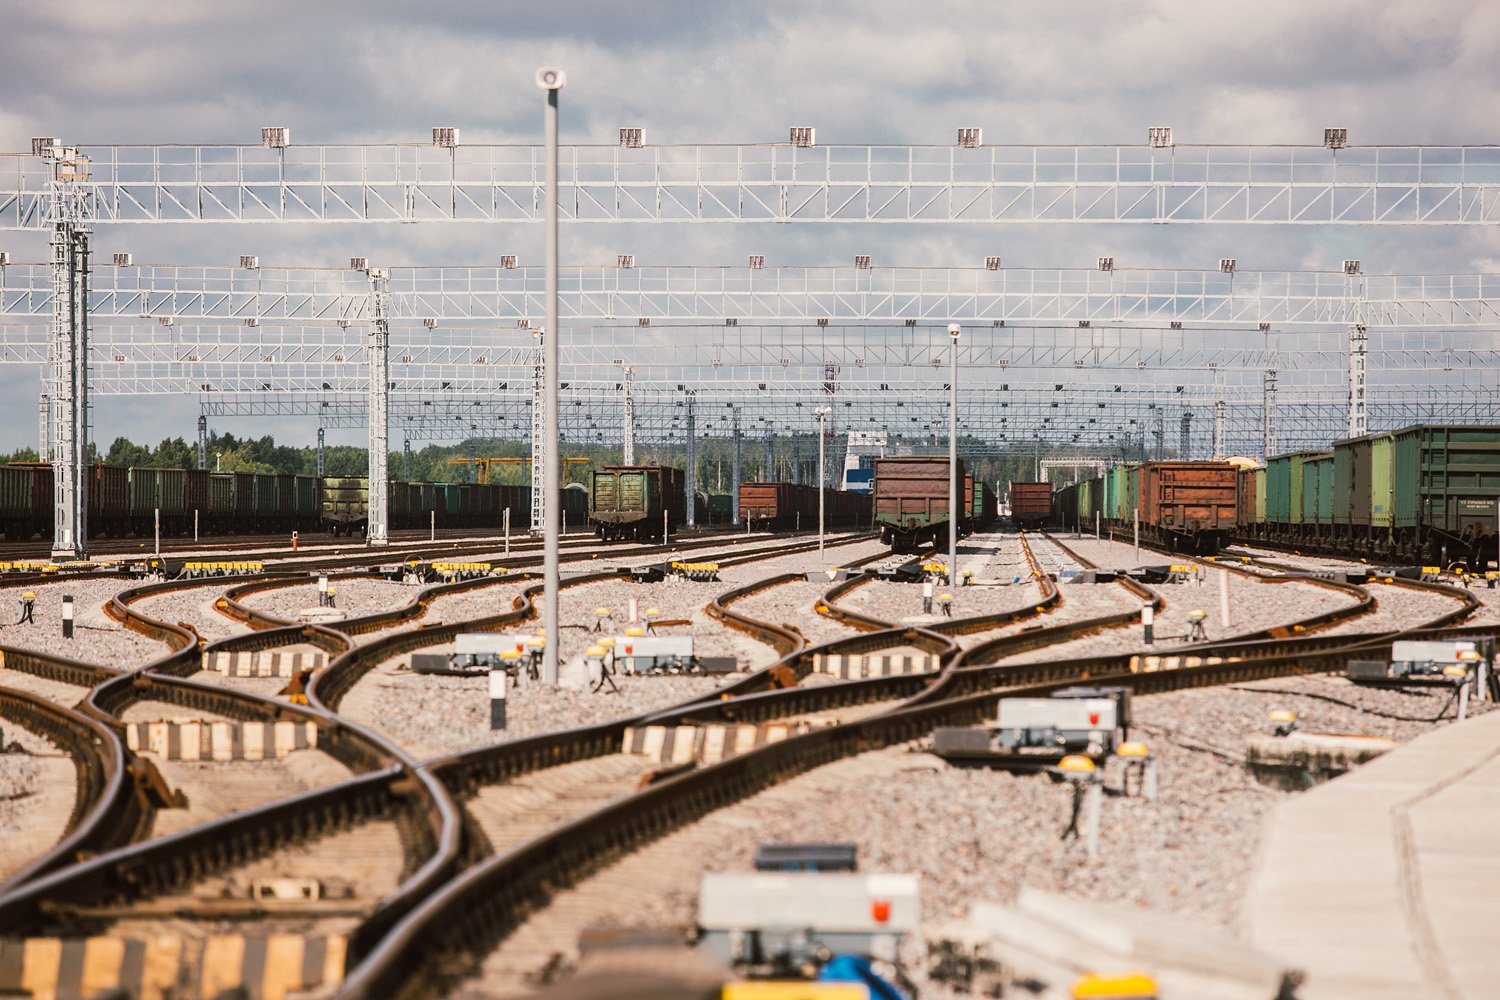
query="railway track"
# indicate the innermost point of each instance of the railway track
(565, 777)
(488, 902)
(120, 882)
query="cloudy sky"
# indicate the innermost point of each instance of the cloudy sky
(1274, 71)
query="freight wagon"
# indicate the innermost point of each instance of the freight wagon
(911, 499)
(1185, 506)
(1030, 504)
(631, 501)
(1425, 494)
(790, 506)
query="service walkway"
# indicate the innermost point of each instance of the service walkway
(1386, 882)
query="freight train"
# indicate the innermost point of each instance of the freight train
(792, 506)
(1426, 493)
(911, 500)
(637, 501)
(132, 501)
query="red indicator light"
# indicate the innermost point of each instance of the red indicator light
(880, 909)
(1093, 718)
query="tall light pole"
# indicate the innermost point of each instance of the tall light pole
(955, 483)
(823, 412)
(551, 81)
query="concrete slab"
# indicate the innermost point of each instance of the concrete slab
(1385, 882)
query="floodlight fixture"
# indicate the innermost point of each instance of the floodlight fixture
(275, 136)
(632, 138)
(992, 263)
(1351, 267)
(1159, 136)
(445, 136)
(1335, 138)
(1228, 264)
(803, 135)
(123, 260)
(249, 261)
(1106, 263)
(970, 138)
(625, 260)
(508, 261)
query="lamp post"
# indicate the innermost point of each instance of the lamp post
(955, 486)
(823, 412)
(551, 81)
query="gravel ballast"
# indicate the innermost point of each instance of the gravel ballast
(354, 597)
(983, 835)
(96, 639)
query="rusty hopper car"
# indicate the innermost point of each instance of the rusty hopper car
(1190, 506)
(911, 498)
(630, 501)
(1030, 504)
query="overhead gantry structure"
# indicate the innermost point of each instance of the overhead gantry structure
(66, 189)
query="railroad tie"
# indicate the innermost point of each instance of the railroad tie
(854, 666)
(708, 743)
(265, 663)
(221, 741)
(155, 968)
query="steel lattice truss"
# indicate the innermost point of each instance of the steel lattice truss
(1092, 416)
(600, 294)
(771, 182)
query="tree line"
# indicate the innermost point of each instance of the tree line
(793, 457)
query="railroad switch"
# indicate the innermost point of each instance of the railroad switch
(28, 608)
(945, 601)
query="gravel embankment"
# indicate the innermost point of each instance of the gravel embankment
(194, 607)
(1396, 608)
(353, 597)
(983, 835)
(445, 714)
(438, 715)
(96, 638)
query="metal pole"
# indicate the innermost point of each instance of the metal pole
(734, 473)
(1137, 520)
(158, 530)
(195, 524)
(822, 505)
(627, 451)
(507, 531)
(690, 476)
(955, 481)
(377, 524)
(551, 80)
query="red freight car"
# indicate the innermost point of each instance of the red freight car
(1030, 504)
(1192, 506)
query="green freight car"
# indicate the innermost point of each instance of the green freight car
(344, 507)
(1447, 488)
(637, 501)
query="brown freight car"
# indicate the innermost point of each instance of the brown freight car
(1191, 506)
(911, 498)
(1030, 504)
(793, 506)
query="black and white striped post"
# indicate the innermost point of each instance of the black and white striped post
(1148, 618)
(67, 616)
